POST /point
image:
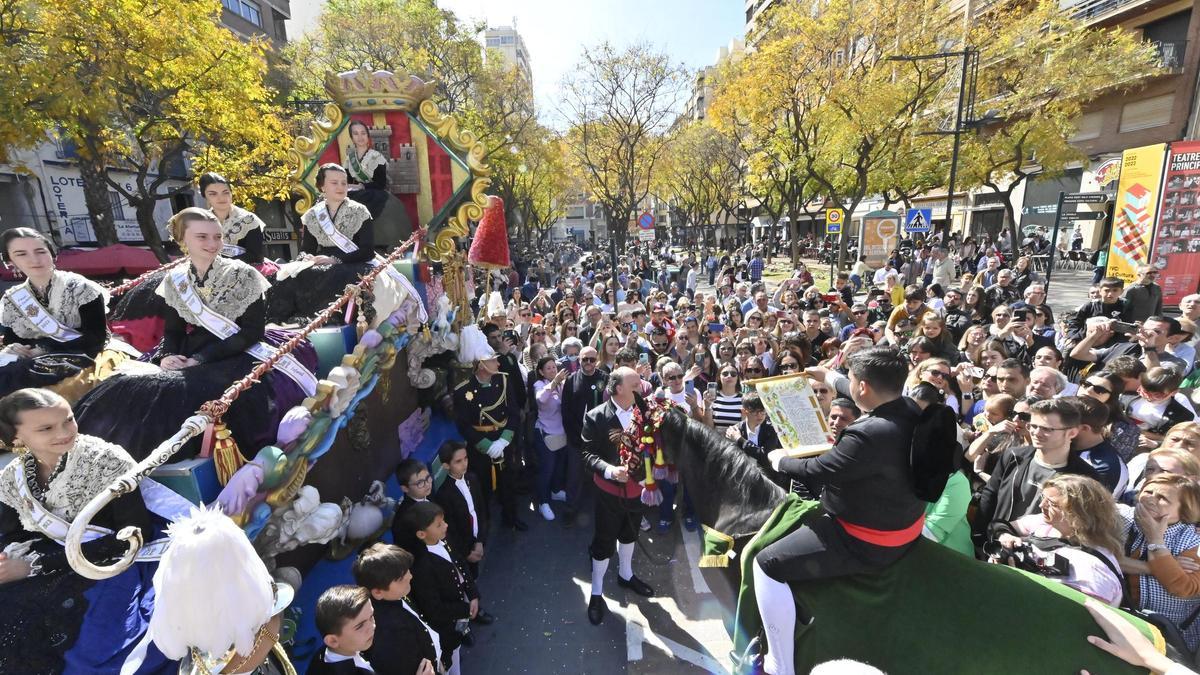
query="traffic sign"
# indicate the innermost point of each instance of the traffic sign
(1084, 215)
(1085, 198)
(646, 221)
(833, 220)
(918, 220)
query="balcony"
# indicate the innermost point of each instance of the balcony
(1170, 54)
(1097, 11)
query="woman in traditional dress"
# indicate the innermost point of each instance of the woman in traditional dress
(338, 245)
(54, 620)
(367, 169)
(51, 313)
(214, 321)
(241, 230)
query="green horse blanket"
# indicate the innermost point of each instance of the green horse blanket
(934, 611)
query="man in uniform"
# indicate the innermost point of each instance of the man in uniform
(618, 503)
(872, 512)
(487, 417)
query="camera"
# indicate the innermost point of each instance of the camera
(1028, 557)
(462, 626)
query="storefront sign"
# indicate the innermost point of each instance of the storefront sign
(1133, 218)
(1177, 239)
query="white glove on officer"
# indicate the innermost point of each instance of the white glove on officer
(496, 449)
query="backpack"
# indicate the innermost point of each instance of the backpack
(935, 453)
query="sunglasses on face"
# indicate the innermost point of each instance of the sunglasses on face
(788, 367)
(588, 359)
(940, 374)
(1021, 416)
(729, 373)
(672, 378)
(1097, 387)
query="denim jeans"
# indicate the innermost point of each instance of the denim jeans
(666, 510)
(552, 467)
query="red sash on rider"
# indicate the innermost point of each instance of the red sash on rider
(628, 490)
(889, 538)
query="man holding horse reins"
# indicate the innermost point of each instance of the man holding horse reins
(618, 495)
(872, 513)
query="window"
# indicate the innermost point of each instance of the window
(115, 205)
(507, 39)
(247, 9)
(1090, 125)
(1147, 113)
(493, 42)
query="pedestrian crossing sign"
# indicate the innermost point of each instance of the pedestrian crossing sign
(918, 220)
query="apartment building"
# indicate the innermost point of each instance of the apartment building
(507, 42)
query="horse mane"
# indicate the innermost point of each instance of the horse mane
(722, 462)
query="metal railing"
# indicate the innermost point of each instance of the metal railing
(1170, 53)
(1094, 10)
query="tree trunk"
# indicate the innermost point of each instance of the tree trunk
(95, 196)
(144, 208)
(794, 234)
(1013, 234)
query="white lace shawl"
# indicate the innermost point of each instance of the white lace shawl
(240, 223)
(350, 217)
(91, 465)
(370, 161)
(232, 287)
(68, 292)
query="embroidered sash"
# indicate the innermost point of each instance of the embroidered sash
(41, 317)
(232, 250)
(325, 222)
(56, 528)
(356, 166)
(224, 328)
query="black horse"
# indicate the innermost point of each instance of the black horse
(934, 611)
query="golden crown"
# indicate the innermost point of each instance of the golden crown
(362, 91)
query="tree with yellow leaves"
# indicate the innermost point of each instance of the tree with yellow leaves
(142, 86)
(1038, 67)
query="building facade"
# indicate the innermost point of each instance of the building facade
(507, 42)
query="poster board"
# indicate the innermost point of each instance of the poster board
(1135, 214)
(795, 413)
(1177, 241)
(880, 235)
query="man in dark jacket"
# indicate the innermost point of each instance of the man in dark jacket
(583, 390)
(618, 504)
(1144, 297)
(1015, 488)
(407, 644)
(872, 513)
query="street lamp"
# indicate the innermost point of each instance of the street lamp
(964, 115)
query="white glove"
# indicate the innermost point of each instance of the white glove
(775, 457)
(496, 449)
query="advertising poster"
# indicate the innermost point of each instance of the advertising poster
(795, 413)
(1177, 243)
(1134, 215)
(880, 235)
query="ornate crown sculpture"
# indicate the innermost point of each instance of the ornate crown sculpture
(360, 91)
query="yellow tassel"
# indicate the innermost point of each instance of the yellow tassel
(649, 475)
(658, 458)
(226, 456)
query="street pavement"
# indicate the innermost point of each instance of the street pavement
(538, 584)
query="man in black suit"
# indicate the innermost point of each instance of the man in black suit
(583, 390)
(872, 513)
(618, 503)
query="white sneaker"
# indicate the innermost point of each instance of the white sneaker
(546, 512)
(645, 526)
(560, 496)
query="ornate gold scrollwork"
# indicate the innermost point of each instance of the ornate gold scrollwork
(307, 148)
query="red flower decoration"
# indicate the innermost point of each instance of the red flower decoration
(489, 248)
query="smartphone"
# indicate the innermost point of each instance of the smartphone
(712, 387)
(977, 373)
(644, 358)
(1124, 328)
(831, 297)
(1020, 315)
(716, 328)
(690, 386)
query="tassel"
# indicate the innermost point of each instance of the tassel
(672, 474)
(651, 497)
(649, 484)
(658, 457)
(660, 472)
(227, 457)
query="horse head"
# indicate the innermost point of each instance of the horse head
(729, 489)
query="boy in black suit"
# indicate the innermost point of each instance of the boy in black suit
(442, 584)
(406, 644)
(414, 478)
(462, 500)
(345, 619)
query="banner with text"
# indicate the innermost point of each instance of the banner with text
(1177, 239)
(1134, 215)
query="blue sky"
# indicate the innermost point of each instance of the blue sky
(556, 32)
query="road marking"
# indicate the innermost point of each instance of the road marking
(691, 544)
(636, 634)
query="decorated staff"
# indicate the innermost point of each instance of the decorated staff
(487, 416)
(613, 448)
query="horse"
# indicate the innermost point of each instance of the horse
(933, 611)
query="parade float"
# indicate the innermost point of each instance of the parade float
(384, 347)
